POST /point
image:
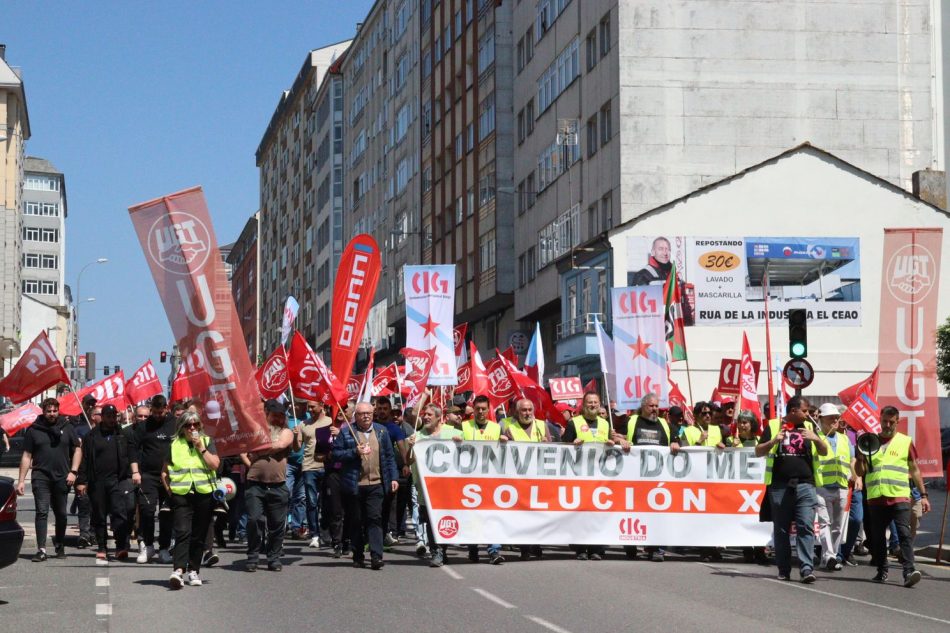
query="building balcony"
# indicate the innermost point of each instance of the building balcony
(577, 338)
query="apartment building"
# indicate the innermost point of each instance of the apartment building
(14, 133)
(301, 183)
(244, 262)
(468, 161)
(622, 106)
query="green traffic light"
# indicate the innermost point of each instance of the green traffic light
(798, 350)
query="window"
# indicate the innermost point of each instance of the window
(554, 160)
(31, 286)
(606, 130)
(49, 288)
(458, 24)
(528, 45)
(592, 136)
(486, 50)
(403, 173)
(529, 116)
(522, 129)
(558, 76)
(50, 209)
(559, 236)
(602, 293)
(48, 262)
(530, 191)
(401, 20)
(41, 183)
(572, 299)
(426, 64)
(486, 188)
(31, 260)
(403, 119)
(486, 252)
(437, 50)
(519, 56)
(469, 11)
(447, 37)
(426, 119)
(605, 35)
(459, 210)
(527, 266)
(427, 179)
(590, 48)
(606, 211)
(459, 147)
(585, 295)
(470, 137)
(547, 12)
(486, 117)
(470, 202)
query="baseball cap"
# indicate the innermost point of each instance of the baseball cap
(109, 409)
(827, 409)
(274, 406)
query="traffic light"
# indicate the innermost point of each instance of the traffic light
(163, 357)
(117, 369)
(105, 370)
(798, 333)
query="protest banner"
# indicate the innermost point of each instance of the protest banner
(639, 345)
(556, 494)
(430, 312)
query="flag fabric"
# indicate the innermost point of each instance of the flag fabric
(430, 311)
(384, 383)
(501, 388)
(272, 377)
(178, 240)
(747, 385)
(534, 359)
(907, 345)
(848, 394)
(458, 338)
(366, 384)
(673, 317)
(37, 370)
(677, 399)
(479, 380)
(310, 378)
(863, 413)
(608, 365)
(354, 386)
(418, 371)
(639, 345)
(144, 384)
(109, 390)
(356, 278)
(291, 307)
(20, 418)
(464, 376)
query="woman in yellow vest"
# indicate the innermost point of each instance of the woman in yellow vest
(189, 478)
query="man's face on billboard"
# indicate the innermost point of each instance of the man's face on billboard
(661, 250)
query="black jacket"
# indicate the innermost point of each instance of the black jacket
(96, 441)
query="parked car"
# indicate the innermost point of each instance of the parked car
(11, 458)
(11, 534)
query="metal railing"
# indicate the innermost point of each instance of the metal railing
(581, 324)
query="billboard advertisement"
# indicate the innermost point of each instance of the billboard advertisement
(721, 278)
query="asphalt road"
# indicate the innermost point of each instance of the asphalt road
(317, 593)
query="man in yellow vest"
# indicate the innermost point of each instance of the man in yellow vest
(703, 433)
(523, 427)
(792, 472)
(589, 426)
(887, 484)
(480, 428)
(837, 473)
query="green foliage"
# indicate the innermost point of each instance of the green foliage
(943, 354)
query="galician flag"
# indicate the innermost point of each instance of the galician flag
(534, 359)
(673, 316)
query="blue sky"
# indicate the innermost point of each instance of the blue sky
(135, 100)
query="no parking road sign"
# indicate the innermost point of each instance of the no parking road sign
(798, 373)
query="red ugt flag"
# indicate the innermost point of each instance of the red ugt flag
(144, 384)
(36, 371)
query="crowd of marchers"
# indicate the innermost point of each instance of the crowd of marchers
(347, 483)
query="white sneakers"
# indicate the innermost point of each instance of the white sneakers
(390, 540)
(177, 581)
(192, 580)
(164, 557)
(102, 559)
(421, 549)
(314, 542)
(146, 553)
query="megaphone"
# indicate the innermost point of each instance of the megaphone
(225, 490)
(869, 443)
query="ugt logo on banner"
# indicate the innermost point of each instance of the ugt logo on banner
(430, 310)
(639, 345)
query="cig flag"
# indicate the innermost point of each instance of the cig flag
(430, 310)
(639, 345)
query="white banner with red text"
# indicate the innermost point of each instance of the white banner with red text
(560, 494)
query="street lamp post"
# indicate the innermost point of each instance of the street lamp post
(79, 299)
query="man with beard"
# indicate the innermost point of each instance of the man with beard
(106, 475)
(150, 440)
(82, 424)
(51, 449)
(523, 427)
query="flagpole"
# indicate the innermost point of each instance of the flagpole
(768, 339)
(290, 386)
(76, 396)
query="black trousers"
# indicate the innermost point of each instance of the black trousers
(49, 493)
(877, 521)
(332, 509)
(268, 501)
(403, 503)
(430, 532)
(151, 495)
(191, 516)
(364, 511)
(109, 499)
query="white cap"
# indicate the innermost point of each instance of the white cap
(827, 409)
(213, 410)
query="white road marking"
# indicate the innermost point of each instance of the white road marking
(103, 609)
(546, 624)
(451, 572)
(850, 599)
(490, 596)
(102, 582)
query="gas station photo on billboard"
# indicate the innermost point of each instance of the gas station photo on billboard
(723, 279)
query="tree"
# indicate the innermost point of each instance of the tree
(943, 354)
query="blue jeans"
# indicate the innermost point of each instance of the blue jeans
(855, 518)
(312, 483)
(492, 549)
(298, 499)
(794, 504)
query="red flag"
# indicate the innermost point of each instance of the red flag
(20, 418)
(36, 371)
(310, 378)
(109, 390)
(178, 240)
(747, 386)
(458, 337)
(356, 278)
(479, 381)
(144, 384)
(464, 376)
(848, 394)
(501, 388)
(354, 384)
(272, 377)
(366, 383)
(673, 317)
(384, 382)
(677, 399)
(418, 367)
(190, 383)
(509, 353)
(863, 413)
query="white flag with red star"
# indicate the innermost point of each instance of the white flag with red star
(430, 310)
(639, 345)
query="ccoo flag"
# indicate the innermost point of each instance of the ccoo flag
(353, 294)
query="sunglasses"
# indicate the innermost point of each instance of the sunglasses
(192, 425)
(705, 413)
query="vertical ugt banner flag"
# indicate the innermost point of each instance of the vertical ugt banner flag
(179, 244)
(639, 345)
(907, 351)
(430, 311)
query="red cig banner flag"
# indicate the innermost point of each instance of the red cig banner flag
(36, 371)
(907, 352)
(179, 244)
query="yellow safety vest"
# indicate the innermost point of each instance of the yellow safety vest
(537, 431)
(188, 469)
(890, 476)
(836, 467)
(632, 426)
(693, 433)
(582, 429)
(774, 427)
(470, 431)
